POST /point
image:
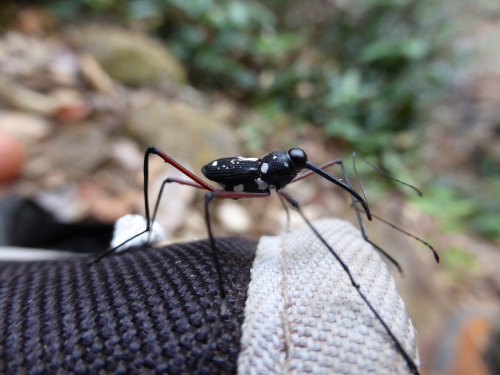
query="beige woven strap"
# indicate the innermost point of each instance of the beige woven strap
(304, 316)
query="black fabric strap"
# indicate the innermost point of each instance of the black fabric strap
(151, 311)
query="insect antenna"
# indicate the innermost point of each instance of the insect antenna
(418, 191)
(431, 248)
(355, 154)
(354, 199)
(411, 364)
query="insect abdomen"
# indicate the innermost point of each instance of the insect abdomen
(232, 171)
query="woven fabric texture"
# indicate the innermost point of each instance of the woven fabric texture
(142, 312)
(303, 316)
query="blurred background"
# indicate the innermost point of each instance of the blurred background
(412, 85)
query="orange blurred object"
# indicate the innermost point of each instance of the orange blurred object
(470, 347)
(72, 113)
(12, 157)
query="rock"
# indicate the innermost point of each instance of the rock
(129, 57)
(185, 132)
(24, 55)
(94, 74)
(28, 128)
(75, 153)
(65, 104)
(23, 98)
(127, 154)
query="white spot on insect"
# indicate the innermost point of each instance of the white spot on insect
(214, 163)
(274, 157)
(238, 188)
(285, 164)
(247, 159)
(261, 184)
(264, 168)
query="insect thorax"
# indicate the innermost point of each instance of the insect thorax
(277, 169)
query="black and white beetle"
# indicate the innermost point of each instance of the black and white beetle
(241, 177)
(273, 171)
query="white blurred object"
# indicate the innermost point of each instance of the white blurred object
(130, 225)
(63, 203)
(25, 254)
(234, 217)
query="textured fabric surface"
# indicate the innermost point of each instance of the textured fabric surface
(303, 316)
(148, 311)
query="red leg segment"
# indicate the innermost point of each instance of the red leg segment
(176, 165)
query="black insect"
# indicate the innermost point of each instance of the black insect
(241, 177)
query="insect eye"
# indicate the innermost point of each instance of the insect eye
(299, 157)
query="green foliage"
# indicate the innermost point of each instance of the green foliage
(486, 221)
(459, 263)
(361, 71)
(449, 206)
(464, 208)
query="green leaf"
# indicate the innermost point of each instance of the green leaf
(458, 260)
(272, 45)
(396, 49)
(344, 128)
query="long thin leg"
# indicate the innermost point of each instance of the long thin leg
(287, 211)
(176, 165)
(411, 364)
(220, 194)
(213, 193)
(362, 224)
(353, 203)
(197, 182)
(167, 181)
(110, 250)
